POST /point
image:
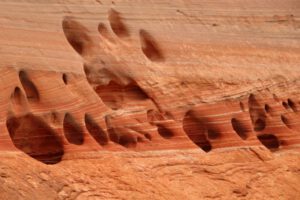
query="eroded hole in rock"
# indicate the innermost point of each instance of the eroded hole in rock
(113, 136)
(285, 105)
(18, 97)
(103, 31)
(65, 78)
(242, 106)
(164, 132)
(267, 108)
(117, 25)
(285, 121)
(140, 130)
(72, 130)
(257, 113)
(115, 95)
(30, 89)
(77, 35)
(196, 131)
(125, 139)
(239, 128)
(292, 105)
(86, 70)
(269, 140)
(212, 134)
(148, 136)
(150, 48)
(140, 139)
(259, 125)
(34, 137)
(95, 130)
(206, 146)
(128, 140)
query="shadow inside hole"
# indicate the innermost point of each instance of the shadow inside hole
(267, 108)
(30, 89)
(292, 105)
(195, 130)
(65, 78)
(122, 138)
(285, 105)
(117, 25)
(150, 48)
(165, 132)
(213, 134)
(77, 35)
(72, 130)
(239, 128)
(286, 121)
(270, 141)
(95, 130)
(34, 137)
(259, 124)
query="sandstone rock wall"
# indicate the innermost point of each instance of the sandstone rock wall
(137, 76)
(81, 79)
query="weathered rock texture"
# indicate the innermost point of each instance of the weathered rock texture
(150, 99)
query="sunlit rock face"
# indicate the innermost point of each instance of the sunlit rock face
(149, 99)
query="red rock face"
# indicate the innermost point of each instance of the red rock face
(177, 93)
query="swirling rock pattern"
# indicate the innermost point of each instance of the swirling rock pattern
(153, 97)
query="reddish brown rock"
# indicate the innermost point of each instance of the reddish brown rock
(149, 99)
